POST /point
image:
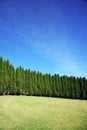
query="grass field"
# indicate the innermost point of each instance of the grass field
(41, 113)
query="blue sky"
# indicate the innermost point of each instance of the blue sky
(45, 35)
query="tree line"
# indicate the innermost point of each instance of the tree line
(25, 81)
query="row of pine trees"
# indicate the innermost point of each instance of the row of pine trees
(21, 80)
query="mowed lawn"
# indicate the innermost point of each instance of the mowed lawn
(41, 113)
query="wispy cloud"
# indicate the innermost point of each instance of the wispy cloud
(64, 61)
(58, 53)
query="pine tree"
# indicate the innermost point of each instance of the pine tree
(36, 83)
(1, 75)
(19, 80)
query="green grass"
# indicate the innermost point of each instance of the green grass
(40, 113)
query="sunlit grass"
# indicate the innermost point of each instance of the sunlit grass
(40, 113)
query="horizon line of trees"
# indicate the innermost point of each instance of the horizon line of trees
(21, 81)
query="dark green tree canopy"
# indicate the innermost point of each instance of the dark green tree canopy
(27, 82)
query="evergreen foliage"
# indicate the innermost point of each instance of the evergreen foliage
(29, 82)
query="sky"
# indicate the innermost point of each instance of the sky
(49, 36)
